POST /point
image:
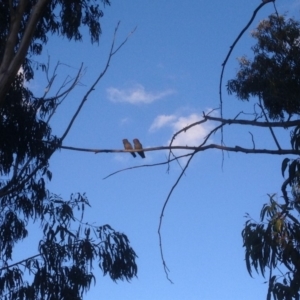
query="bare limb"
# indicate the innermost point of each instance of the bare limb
(123, 43)
(151, 165)
(207, 117)
(193, 148)
(176, 158)
(232, 47)
(270, 127)
(9, 188)
(268, 124)
(226, 59)
(190, 126)
(162, 215)
(17, 178)
(64, 94)
(19, 262)
(111, 53)
(252, 138)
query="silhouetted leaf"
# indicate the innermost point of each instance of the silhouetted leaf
(284, 165)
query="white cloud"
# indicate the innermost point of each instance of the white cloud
(162, 121)
(135, 95)
(192, 137)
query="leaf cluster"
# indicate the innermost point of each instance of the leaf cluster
(272, 245)
(63, 267)
(24, 132)
(68, 249)
(64, 18)
(273, 75)
(274, 241)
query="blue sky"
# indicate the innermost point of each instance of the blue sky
(163, 78)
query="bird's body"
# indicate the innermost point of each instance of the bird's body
(128, 146)
(139, 146)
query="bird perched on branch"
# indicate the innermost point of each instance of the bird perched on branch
(128, 146)
(139, 146)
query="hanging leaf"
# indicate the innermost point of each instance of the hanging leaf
(292, 170)
(284, 165)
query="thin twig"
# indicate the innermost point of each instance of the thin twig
(65, 93)
(148, 165)
(286, 124)
(232, 47)
(228, 55)
(270, 127)
(252, 138)
(111, 53)
(166, 269)
(20, 262)
(177, 159)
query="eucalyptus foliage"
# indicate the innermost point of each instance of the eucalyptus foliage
(273, 74)
(69, 248)
(272, 244)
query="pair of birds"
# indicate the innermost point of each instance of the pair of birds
(137, 146)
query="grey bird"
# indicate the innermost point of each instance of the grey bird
(128, 146)
(139, 146)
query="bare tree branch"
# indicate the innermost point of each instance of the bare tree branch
(19, 262)
(17, 180)
(232, 47)
(192, 148)
(162, 215)
(268, 124)
(267, 120)
(225, 62)
(204, 146)
(148, 165)
(64, 94)
(111, 53)
(252, 138)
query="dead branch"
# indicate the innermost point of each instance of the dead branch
(232, 47)
(267, 120)
(193, 148)
(226, 59)
(207, 117)
(268, 124)
(17, 179)
(149, 165)
(64, 94)
(19, 262)
(203, 146)
(162, 215)
(112, 52)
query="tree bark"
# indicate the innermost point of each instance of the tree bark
(12, 62)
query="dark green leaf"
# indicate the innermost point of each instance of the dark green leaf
(284, 165)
